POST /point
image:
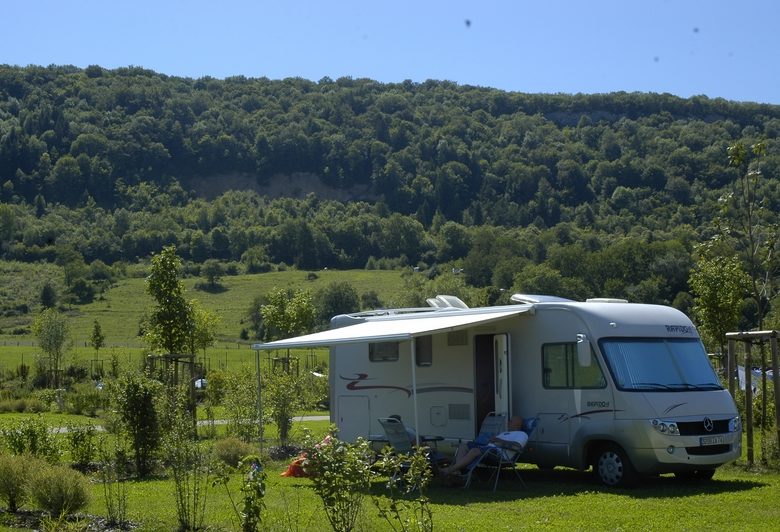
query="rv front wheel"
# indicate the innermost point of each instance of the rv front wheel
(613, 467)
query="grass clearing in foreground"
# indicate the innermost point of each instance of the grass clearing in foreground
(560, 499)
(553, 500)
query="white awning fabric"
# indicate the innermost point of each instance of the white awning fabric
(397, 328)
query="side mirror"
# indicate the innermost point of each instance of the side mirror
(583, 351)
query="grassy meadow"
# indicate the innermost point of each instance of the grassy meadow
(121, 308)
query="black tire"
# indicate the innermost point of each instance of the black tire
(613, 468)
(695, 475)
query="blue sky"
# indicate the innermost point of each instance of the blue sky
(718, 48)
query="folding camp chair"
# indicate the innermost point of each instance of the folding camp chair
(500, 456)
(492, 424)
(396, 434)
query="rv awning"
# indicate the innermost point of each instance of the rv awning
(393, 329)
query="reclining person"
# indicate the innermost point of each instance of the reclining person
(513, 437)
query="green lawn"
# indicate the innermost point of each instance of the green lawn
(556, 500)
(553, 500)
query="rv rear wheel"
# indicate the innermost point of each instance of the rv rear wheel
(613, 467)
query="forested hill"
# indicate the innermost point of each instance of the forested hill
(116, 163)
(493, 156)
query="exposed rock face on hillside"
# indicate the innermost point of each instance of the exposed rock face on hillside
(296, 185)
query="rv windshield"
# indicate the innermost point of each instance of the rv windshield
(659, 364)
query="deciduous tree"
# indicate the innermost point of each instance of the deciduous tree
(53, 331)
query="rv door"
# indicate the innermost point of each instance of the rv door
(501, 373)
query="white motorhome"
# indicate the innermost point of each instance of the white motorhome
(626, 388)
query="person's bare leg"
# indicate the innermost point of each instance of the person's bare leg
(463, 461)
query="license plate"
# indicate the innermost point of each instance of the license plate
(712, 440)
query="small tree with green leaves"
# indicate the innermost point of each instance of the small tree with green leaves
(53, 332)
(97, 339)
(719, 285)
(185, 459)
(204, 330)
(404, 505)
(284, 396)
(212, 270)
(341, 476)
(287, 313)
(113, 475)
(252, 490)
(240, 402)
(48, 295)
(133, 397)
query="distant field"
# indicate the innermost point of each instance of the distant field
(121, 308)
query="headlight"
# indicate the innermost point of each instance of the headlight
(734, 424)
(665, 427)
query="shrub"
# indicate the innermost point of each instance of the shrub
(133, 397)
(405, 503)
(14, 471)
(83, 446)
(59, 490)
(232, 450)
(46, 396)
(240, 402)
(85, 399)
(185, 459)
(341, 476)
(32, 436)
(113, 474)
(33, 406)
(253, 491)
(284, 395)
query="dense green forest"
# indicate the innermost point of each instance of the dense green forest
(577, 195)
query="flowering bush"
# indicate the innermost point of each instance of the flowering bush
(341, 475)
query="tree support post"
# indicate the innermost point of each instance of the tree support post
(776, 385)
(731, 365)
(749, 401)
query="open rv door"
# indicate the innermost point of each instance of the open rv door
(501, 373)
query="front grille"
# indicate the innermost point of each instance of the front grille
(696, 428)
(708, 450)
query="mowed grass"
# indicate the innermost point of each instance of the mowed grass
(561, 499)
(553, 500)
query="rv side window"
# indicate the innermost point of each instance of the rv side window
(560, 368)
(423, 349)
(383, 352)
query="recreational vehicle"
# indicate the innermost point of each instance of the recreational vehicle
(621, 387)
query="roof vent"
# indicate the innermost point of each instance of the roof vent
(535, 298)
(444, 301)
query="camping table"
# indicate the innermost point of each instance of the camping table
(424, 438)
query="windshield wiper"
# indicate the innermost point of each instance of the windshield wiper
(702, 386)
(651, 385)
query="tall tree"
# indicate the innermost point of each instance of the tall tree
(719, 285)
(336, 298)
(748, 223)
(171, 321)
